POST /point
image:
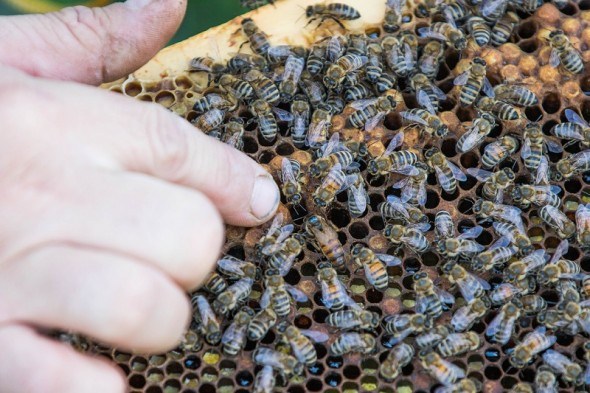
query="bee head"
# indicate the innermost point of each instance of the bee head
(390, 28)
(356, 250)
(314, 170)
(309, 11)
(480, 61)
(430, 152)
(442, 131)
(296, 199)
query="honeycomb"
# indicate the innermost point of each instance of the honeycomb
(523, 59)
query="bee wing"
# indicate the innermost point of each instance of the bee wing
(374, 121)
(444, 296)
(413, 118)
(446, 11)
(389, 260)
(457, 172)
(426, 32)
(401, 184)
(479, 174)
(561, 249)
(487, 88)
(553, 146)
(408, 170)
(542, 175)
(408, 56)
(396, 204)
(282, 114)
(502, 241)
(494, 326)
(471, 233)
(315, 132)
(556, 215)
(490, 6)
(421, 226)
(499, 196)
(512, 214)
(395, 5)
(276, 223)
(554, 59)
(362, 104)
(441, 176)
(461, 79)
(573, 117)
(525, 152)
(484, 283)
(331, 145)
(234, 332)
(424, 101)
(298, 295)
(286, 231)
(287, 171)
(560, 130)
(395, 142)
(359, 197)
(458, 371)
(265, 298)
(315, 335)
(421, 194)
(470, 246)
(582, 218)
(400, 337)
(231, 265)
(328, 302)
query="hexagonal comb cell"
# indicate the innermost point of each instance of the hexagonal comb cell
(523, 60)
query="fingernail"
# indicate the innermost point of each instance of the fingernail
(137, 4)
(265, 197)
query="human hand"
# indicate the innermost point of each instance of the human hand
(110, 208)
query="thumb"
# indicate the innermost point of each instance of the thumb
(90, 45)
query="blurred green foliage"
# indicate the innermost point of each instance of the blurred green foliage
(201, 14)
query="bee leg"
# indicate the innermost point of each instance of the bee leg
(310, 21)
(241, 45)
(335, 20)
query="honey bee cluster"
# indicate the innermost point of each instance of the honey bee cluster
(433, 215)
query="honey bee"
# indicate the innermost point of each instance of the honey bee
(375, 265)
(465, 316)
(432, 337)
(517, 237)
(257, 38)
(534, 146)
(261, 323)
(411, 236)
(470, 285)
(332, 153)
(430, 122)
(265, 380)
(505, 291)
(395, 209)
(430, 299)
(476, 134)
(234, 337)
(278, 293)
(515, 94)
(440, 369)
(266, 120)
(234, 133)
(495, 183)
(432, 56)
(353, 319)
(290, 78)
(533, 343)
(357, 193)
(253, 4)
(414, 187)
(300, 111)
(241, 63)
(374, 67)
(281, 362)
(334, 294)
(336, 47)
(333, 184)
(557, 220)
(191, 341)
(236, 293)
(284, 254)
(500, 109)
(401, 326)
(427, 93)
(332, 11)
(486, 211)
(393, 15)
(291, 179)
(503, 28)
(479, 30)
(215, 284)
(445, 32)
(263, 87)
(326, 239)
(210, 121)
(235, 268)
(472, 81)
(209, 65)
(519, 269)
(208, 325)
(279, 54)
(531, 304)
(394, 161)
(370, 112)
(214, 101)
(462, 245)
(240, 89)
(583, 225)
(345, 65)
(444, 226)
(564, 53)
(321, 122)
(465, 385)
(525, 195)
(276, 234)
(501, 327)
(576, 129)
(561, 364)
(499, 150)
(573, 165)
(357, 44)
(353, 342)
(458, 343)
(496, 255)
(558, 268)
(447, 173)
(302, 345)
(398, 55)
(397, 358)
(315, 58)
(545, 380)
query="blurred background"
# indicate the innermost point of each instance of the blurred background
(201, 14)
